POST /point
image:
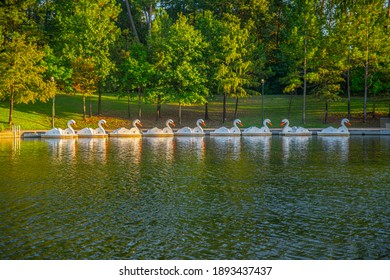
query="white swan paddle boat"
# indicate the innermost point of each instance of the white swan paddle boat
(88, 132)
(125, 132)
(224, 131)
(196, 131)
(293, 131)
(61, 133)
(341, 131)
(157, 132)
(255, 131)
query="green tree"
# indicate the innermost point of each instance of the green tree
(330, 57)
(87, 32)
(371, 41)
(136, 74)
(229, 55)
(22, 74)
(61, 74)
(301, 46)
(178, 60)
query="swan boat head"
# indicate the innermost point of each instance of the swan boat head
(198, 130)
(61, 133)
(100, 129)
(345, 121)
(137, 122)
(102, 122)
(70, 130)
(285, 122)
(267, 121)
(286, 128)
(135, 130)
(170, 122)
(200, 122)
(237, 122)
(167, 129)
(71, 122)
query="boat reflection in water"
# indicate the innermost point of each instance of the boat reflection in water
(192, 147)
(259, 145)
(92, 149)
(162, 148)
(127, 149)
(227, 146)
(335, 147)
(295, 147)
(62, 149)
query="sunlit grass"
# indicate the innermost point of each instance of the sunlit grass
(276, 107)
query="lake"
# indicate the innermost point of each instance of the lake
(196, 198)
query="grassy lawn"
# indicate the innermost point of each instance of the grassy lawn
(276, 107)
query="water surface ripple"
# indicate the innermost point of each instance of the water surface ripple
(196, 198)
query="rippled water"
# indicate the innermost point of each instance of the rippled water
(195, 198)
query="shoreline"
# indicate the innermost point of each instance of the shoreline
(378, 131)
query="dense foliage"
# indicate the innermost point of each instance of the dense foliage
(187, 51)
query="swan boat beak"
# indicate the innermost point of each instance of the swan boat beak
(282, 123)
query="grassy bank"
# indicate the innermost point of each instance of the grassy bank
(276, 107)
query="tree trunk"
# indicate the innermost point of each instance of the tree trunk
(326, 111)
(304, 85)
(90, 106)
(132, 25)
(99, 101)
(224, 108)
(128, 106)
(365, 85)
(179, 113)
(289, 105)
(158, 113)
(349, 85)
(388, 8)
(150, 18)
(373, 106)
(139, 102)
(206, 111)
(389, 111)
(236, 108)
(84, 108)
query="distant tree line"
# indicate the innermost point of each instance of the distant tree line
(187, 51)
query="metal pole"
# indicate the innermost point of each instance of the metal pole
(53, 108)
(262, 100)
(53, 111)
